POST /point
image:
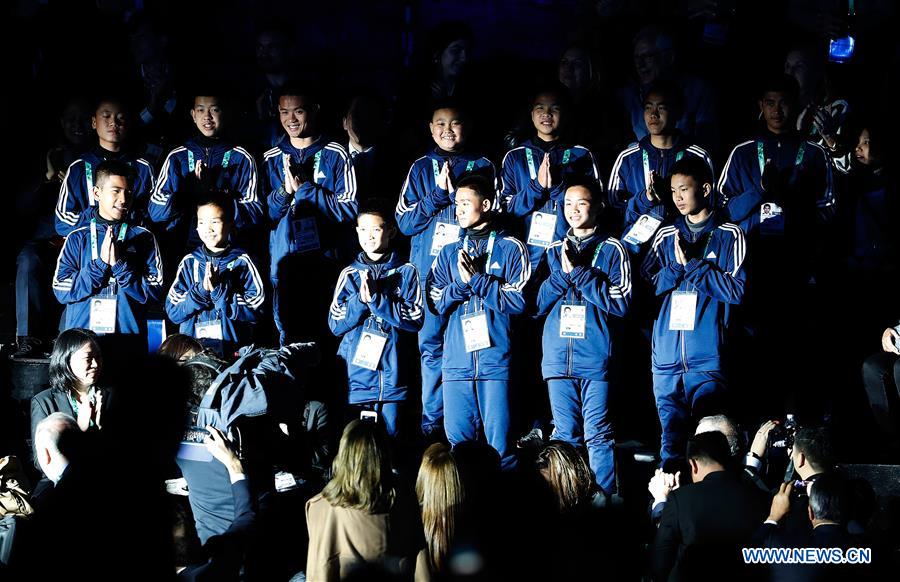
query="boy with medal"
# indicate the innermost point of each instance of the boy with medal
(697, 267)
(217, 294)
(477, 284)
(426, 212)
(109, 269)
(534, 175)
(377, 306)
(589, 282)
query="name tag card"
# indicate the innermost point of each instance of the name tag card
(771, 219)
(103, 315)
(444, 234)
(369, 348)
(306, 235)
(572, 320)
(542, 230)
(684, 311)
(642, 230)
(475, 331)
(208, 330)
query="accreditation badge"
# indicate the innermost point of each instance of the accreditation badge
(444, 234)
(642, 230)
(683, 311)
(542, 229)
(369, 348)
(103, 315)
(475, 331)
(572, 320)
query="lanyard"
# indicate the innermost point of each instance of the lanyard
(435, 167)
(192, 164)
(94, 254)
(529, 157)
(490, 247)
(646, 159)
(91, 395)
(89, 177)
(316, 161)
(760, 154)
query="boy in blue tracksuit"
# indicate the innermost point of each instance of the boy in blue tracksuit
(376, 299)
(589, 282)
(637, 184)
(778, 187)
(109, 269)
(696, 265)
(477, 283)
(533, 176)
(312, 191)
(218, 293)
(426, 212)
(208, 162)
(112, 123)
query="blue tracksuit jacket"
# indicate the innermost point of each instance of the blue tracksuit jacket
(630, 176)
(398, 306)
(807, 176)
(135, 280)
(521, 194)
(603, 285)
(306, 222)
(236, 302)
(497, 290)
(233, 170)
(715, 270)
(76, 193)
(422, 205)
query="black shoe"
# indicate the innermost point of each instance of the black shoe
(534, 438)
(28, 347)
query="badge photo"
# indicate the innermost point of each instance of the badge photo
(642, 230)
(542, 230)
(572, 321)
(475, 331)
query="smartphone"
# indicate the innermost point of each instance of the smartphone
(840, 50)
(368, 416)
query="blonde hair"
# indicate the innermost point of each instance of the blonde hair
(567, 473)
(362, 478)
(441, 495)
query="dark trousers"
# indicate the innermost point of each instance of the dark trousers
(881, 377)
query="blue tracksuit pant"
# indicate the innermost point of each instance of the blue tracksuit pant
(474, 405)
(681, 398)
(431, 347)
(580, 415)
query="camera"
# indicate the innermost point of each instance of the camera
(782, 436)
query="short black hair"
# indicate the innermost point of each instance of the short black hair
(671, 91)
(292, 89)
(481, 185)
(562, 93)
(694, 167)
(780, 83)
(377, 207)
(109, 168)
(68, 342)
(111, 98)
(815, 444)
(221, 200)
(589, 184)
(709, 447)
(449, 103)
(827, 497)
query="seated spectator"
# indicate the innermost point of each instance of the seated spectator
(225, 551)
(827, 513)
(48, 434)
(811, 457)
(881, 378)
(704, 525)
(357, 520)
(75, 366)
(567, 473)
(179, 347)
(441, 495)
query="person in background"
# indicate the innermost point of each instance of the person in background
(179, 347)
(442, 499)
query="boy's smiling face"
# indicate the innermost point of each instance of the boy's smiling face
(546, 115)
(297, 115)
(113, 195)
(448, 129)
(207, 115)
(374, 233)
(213, 226)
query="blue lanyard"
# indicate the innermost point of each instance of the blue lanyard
(529, 157)
(94, 254)
(436, 168)
(192, 164)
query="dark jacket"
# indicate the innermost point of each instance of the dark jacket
(51, 400)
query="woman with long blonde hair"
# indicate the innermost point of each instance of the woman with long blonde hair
(441, 495)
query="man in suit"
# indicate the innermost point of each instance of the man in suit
(704, 525)
(826, 513)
